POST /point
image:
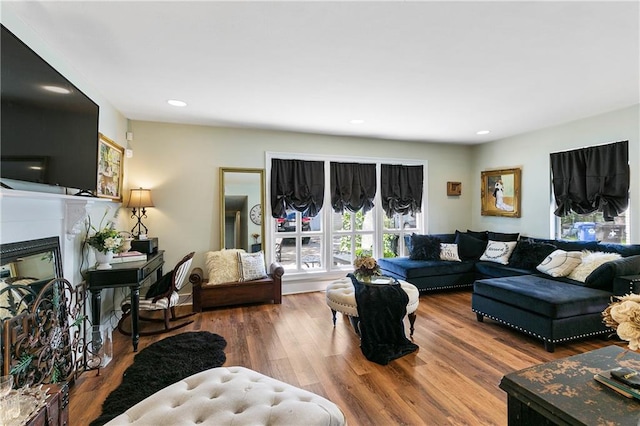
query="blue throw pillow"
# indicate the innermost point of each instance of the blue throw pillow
(528, 254)
(424, 247)
(469, 247)
(602, 277)
(502, 237)
(481, 235)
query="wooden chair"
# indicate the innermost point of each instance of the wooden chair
(166, 300)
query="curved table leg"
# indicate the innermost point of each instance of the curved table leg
(412, 320)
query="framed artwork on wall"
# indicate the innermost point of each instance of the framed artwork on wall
(500, 192)
(110, 168)
(454, 188)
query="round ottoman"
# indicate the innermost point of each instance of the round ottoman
(341, 297)
(232, 396)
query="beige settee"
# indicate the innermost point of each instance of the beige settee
(234, 277)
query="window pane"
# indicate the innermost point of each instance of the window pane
(286, 252)
(400, 221)
(342, 250)
(364, 222)
(311, 253)
(341, 221)
(592, 227)
(390, 245)
(364, 245)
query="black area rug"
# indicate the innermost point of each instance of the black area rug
(160, 365)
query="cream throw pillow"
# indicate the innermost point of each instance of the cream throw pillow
(560, 263)
(251, 266)
(498, 251)
(222, 266)
(590, 261)
(449, 252)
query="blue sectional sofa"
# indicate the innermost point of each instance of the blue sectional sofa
(553, 309)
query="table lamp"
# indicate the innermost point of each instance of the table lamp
(139, 200)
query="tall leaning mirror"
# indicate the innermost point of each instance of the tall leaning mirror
(241, 205)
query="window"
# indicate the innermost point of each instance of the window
(590, 185)
(298, 241)
(329, 241)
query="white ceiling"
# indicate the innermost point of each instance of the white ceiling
(429, 71)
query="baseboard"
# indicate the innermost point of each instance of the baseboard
(185, 299)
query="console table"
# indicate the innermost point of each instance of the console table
(129, 274)
(563, 392)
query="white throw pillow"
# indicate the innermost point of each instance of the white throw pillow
(560, 263)
(222, 266)
(449, 252)
(498, 251)
(251, 266)
(590, 261)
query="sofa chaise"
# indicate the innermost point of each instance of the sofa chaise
(522, 289)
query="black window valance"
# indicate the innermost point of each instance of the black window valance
(298, 185)
(353, 186)
(401, 188)
(592, 179)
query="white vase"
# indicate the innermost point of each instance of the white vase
(104, 259)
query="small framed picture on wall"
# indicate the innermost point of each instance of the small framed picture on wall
(500, 192)
(110, 168)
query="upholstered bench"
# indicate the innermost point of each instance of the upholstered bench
(232, 395)
(548, 309)
(341, 297)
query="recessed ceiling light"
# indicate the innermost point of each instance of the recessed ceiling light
(483, 132)
(357, 121)
(176, 103)
(57, 89)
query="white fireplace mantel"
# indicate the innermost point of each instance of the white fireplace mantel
(73, 210)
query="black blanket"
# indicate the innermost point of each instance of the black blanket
(381, 310)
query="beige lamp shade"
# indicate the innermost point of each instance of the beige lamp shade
(140, 198)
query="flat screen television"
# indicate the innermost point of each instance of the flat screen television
(49, 128)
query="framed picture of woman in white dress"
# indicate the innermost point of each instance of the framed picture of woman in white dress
(500, 192)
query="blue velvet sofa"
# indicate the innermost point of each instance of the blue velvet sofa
(553, 309)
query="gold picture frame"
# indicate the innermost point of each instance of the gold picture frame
(500, 192)
(110, 168)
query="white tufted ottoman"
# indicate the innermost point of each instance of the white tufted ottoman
(341, 298)
(232, 395)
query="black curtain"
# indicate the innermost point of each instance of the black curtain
(592, 179)
(298, 185)
(353, 186)
(401, 188)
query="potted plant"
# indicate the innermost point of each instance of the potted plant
(105, 241)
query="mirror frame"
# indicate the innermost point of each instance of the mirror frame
(10, 252)
(261, 173)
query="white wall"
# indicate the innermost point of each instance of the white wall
(531, 152)
(181, 164)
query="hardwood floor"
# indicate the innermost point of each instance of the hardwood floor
(451, 380)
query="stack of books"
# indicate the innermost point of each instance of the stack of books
(616, 385)
(129, 256)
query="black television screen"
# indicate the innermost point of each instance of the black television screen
(49, 128)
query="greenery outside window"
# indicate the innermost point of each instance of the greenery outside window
(395, 229)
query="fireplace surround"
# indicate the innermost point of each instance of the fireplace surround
(42, 314)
